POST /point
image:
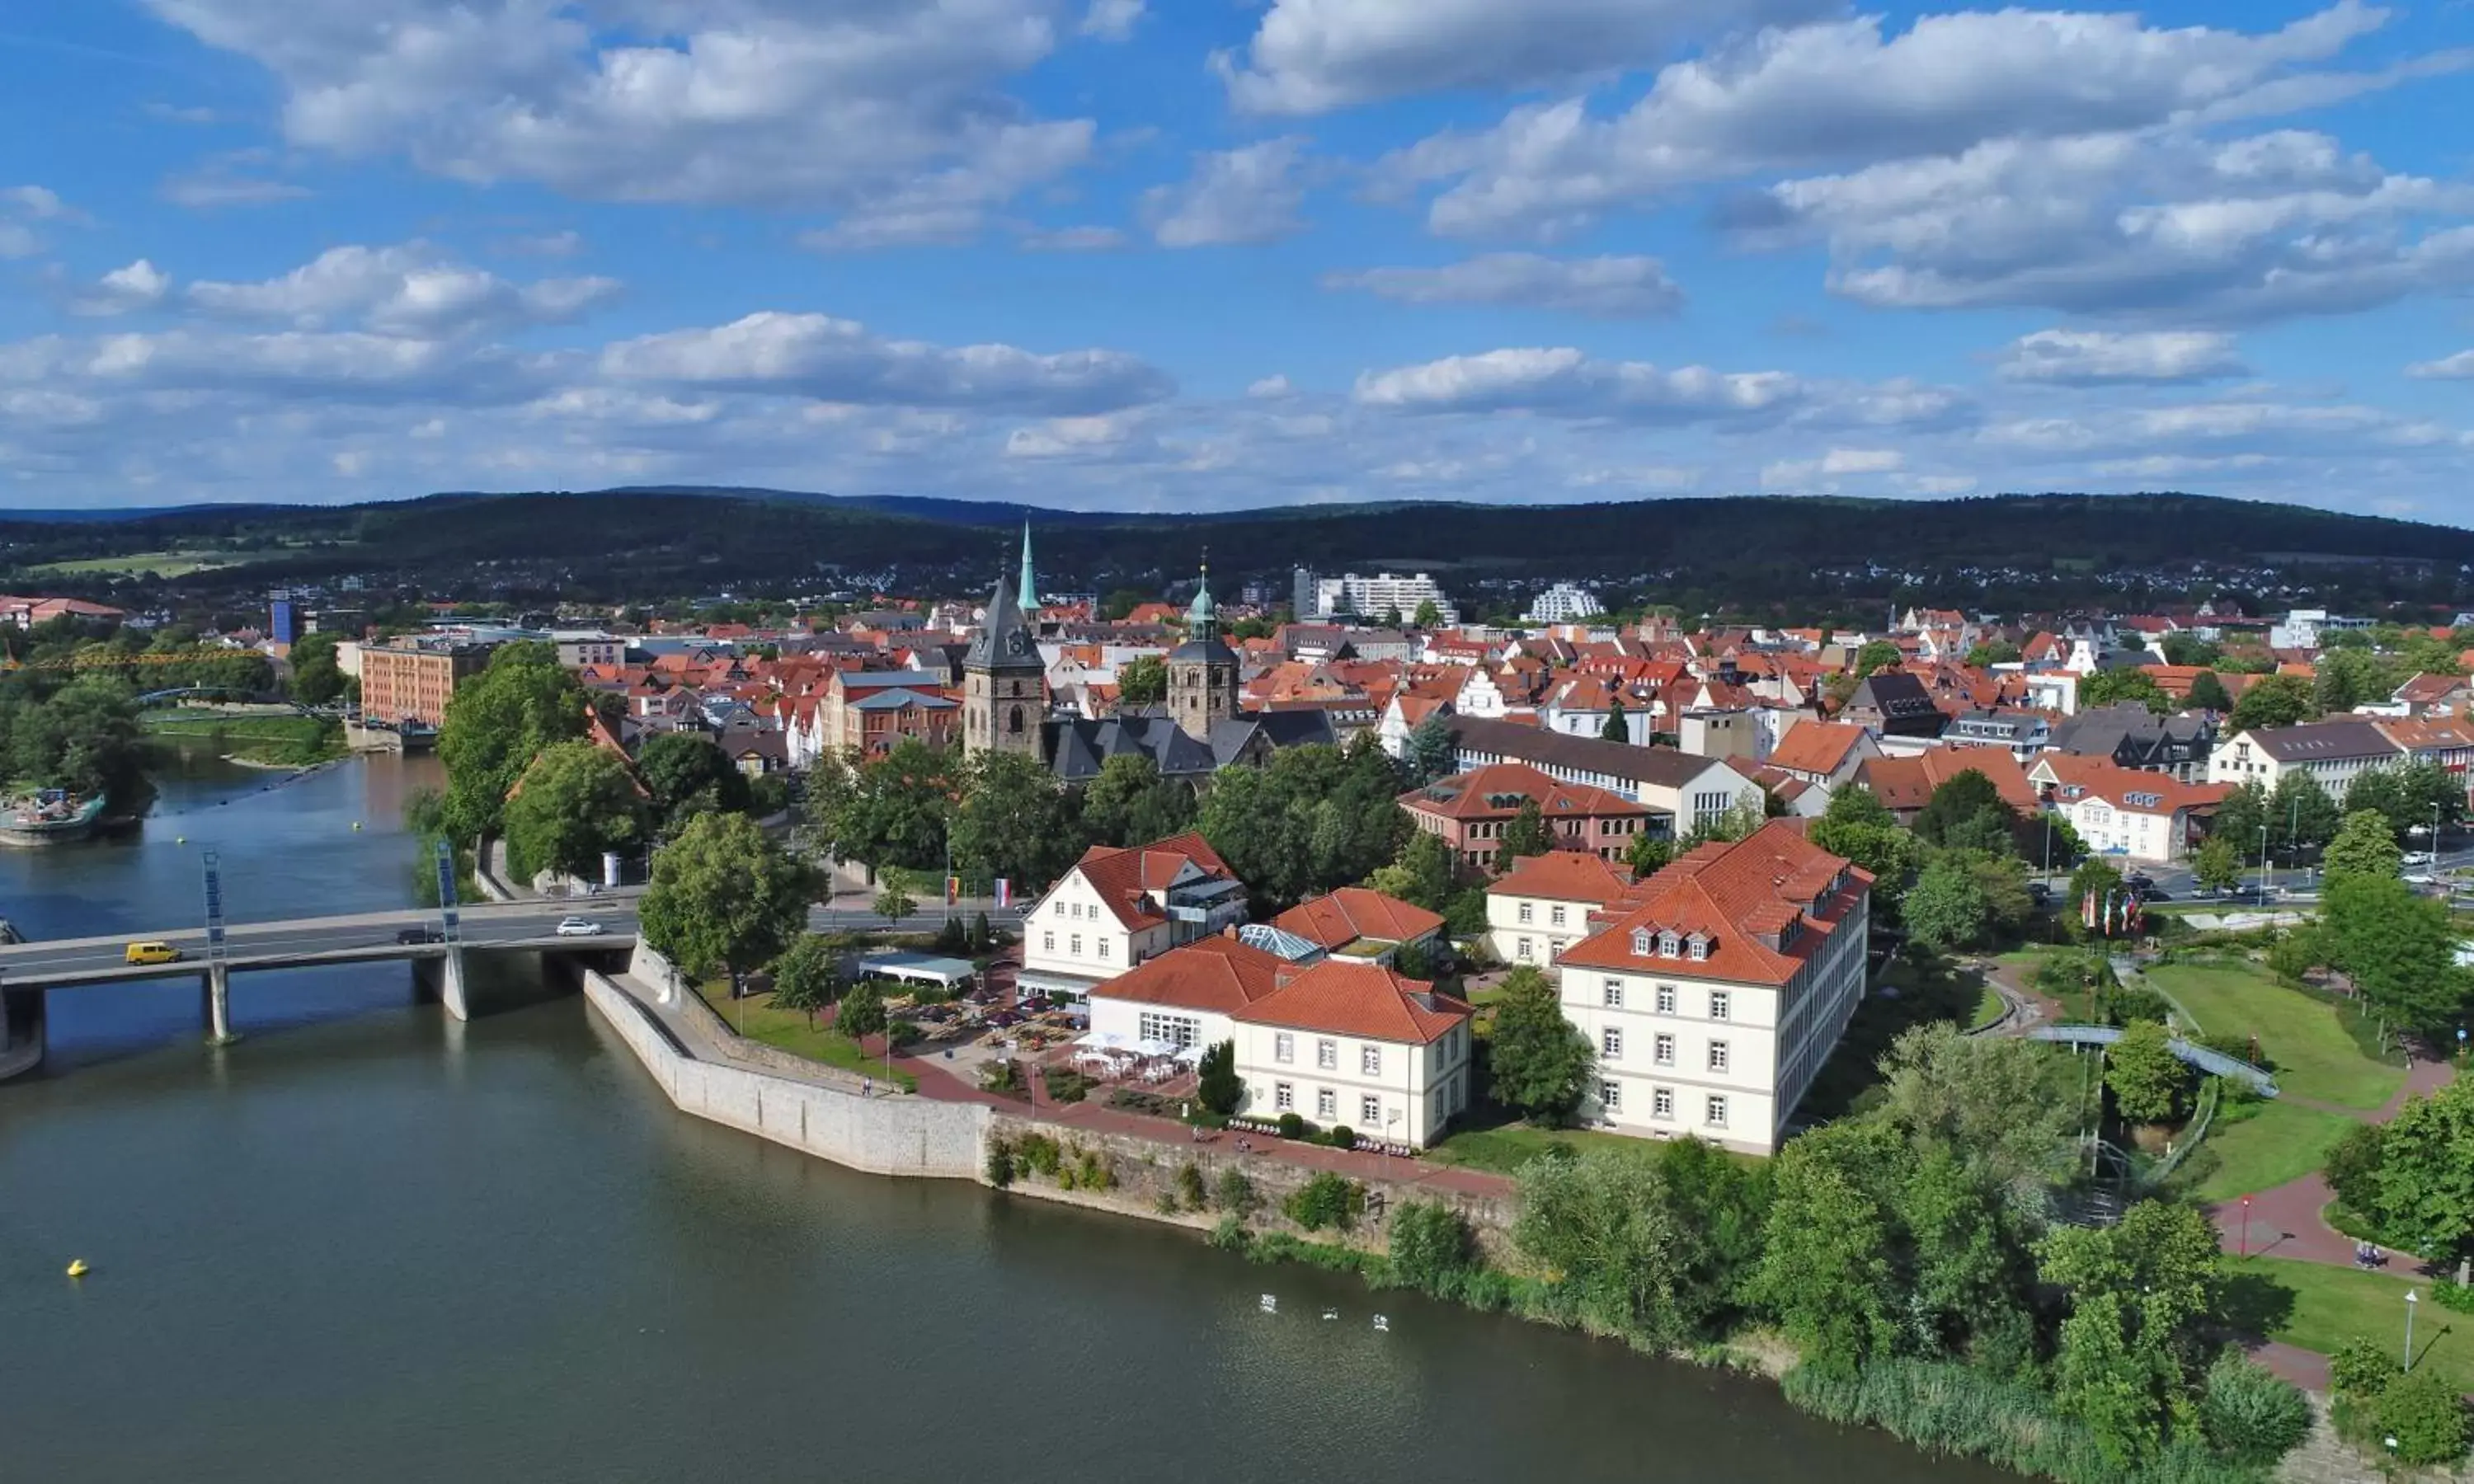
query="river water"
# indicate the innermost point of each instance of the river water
(365, 1243)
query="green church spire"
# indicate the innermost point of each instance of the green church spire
(1028, 597)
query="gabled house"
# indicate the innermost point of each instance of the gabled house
(1359, 923)
(1119, 907)
(1355, 1045)
(2124, 811)
(1893, 704)
(1823, 754)
(1543, 904)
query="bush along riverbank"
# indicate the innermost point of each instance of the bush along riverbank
(259, 741)
(1901, 1268)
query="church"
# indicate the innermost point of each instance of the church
(1199, 730)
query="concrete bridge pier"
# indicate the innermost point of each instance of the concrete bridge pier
(218, 998)
(451, 986)
(22, 1035)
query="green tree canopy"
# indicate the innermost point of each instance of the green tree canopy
(2423, 1185)
(1526, 834)
(2365, 847)
(575, 801)
(1980, 1097)
(2112, 688)
(1607, 1224)
(2143, 1297)
(2300, 813)
(1877, 655)
(2148, 1080)
(1429, 753)
(889, 810)
(1968, 812)
(2272, 701)
(1428, 615)
(1946, 908)
(2184, 648)
(2208, 693)
(1422, 874)
(1014, 821)
(2398, 948)
(1618, 728)
(2216, 866)
(317, 678)
(498, 722)
(688, 774)
(724, 899)
(1142, 680)
(1316, 818)
(807, 974)
(1219, 1089)
(1129, 803)
(1992, 651)
(1537, 1061)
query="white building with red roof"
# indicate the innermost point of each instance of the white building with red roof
(1543, 904)
(1185, 996)
(1119, 907)
(1359, 923)
(1715, 991)
(1355, 1044)
(2126, 812)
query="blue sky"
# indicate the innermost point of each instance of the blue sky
(1133, 255)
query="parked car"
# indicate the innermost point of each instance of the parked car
(2416, 857)
(578, 927)
(153, 952)
(421, 934)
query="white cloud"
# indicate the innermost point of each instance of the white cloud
(1112, 20)
(2091, 357)
(1270, 387)
(407, 290)
(141, 285)
(1074, 239)
(1841, 92)
(21, 206)
(839, 361)
(1314, 56)
(1565, 383)
(2448, 368)
(1067, 436)
(768, 102)
(1833, 464)
(1605, 287)
(1244, 195)
(234, 179)
(567, 243)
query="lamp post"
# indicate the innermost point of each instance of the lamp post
(2266, 872)
(2411, 1296)
(2245, 1226)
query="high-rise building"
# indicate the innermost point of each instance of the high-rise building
(1373, 597)
(409, 682)
(282, 626)
(1564, 603)
(1302, 595)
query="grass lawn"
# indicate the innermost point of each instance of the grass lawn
(789, 1030)
(2319, 1308)
(2312, 1055)
(2279, 1143)
(1988, 1009)
(158, 564)
(1504, 1149)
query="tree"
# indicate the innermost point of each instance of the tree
(1967, 812)
(2240, 817)
(863, 1012)
(1605, 1225)
(2113, 687)
(1428, 615)
(1142, 680)
(1422, 874)
(2185, 649)
(1219, 1089)
(317, 677)
(1825, 1271)
(1649, 854)
(1526, 835)
(1992, 651)
(1980, 1097)
(688, 775)
(2144, 1295)
(1430, 752)
(1431, 1246)
(2411, 796)
(1014, 820)
(2300, 812)
(2208, 693)
(1858, 826)
(574, 803)
(2366, 846)
(2343, 678)
(1129, 803)
(886, 812)
(724, 898)
(1391, 619)
(1315, 819)
(497, 723)
(1122, 602)
(893, 899)
(2148, 1080)
(1538, 1062)
(1618, 729)
(2272, 701)
(1877, 655)
(2398, 948)
(1946, 909)
(2216, 866)
(808, 975)
(2424, 1196)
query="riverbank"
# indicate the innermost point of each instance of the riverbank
(268, 741)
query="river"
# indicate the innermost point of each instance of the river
(366, 1243)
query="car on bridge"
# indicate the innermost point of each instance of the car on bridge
(421, 934)
(578, 927)
(152, 951)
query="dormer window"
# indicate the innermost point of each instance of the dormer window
(1700, 947)
(1667, 943)
(1641, 942)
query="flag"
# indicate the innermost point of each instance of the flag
(2087, 911)
(952, 889)
(1003, 893)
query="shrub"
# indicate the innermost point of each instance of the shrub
(2353, 1166)
(1328, 1200)
(1236, 1194)
(999, 1164)
(1002, 1076)
(1341, 1137)
(2124, 1007)
(1065, 1084)
(1091, 1171)
(2249, 1414)
(2361, 1368)
(1219, 1088)
(1039, 1154)
(1230, 1233)
(1189, 1187)
(2426, 1416)
(1292, 1126)
(1431, 1246)
(953, 937)
(2453, 1296)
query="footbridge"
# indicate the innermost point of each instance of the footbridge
(2207, 1059)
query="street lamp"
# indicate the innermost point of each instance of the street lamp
(2266, 872)
(2411, 1296)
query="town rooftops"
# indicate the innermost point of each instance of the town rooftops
(1816, 747)
(1134, 881)
(1657, 767)
(1368, 1001)
(1353, 912)
(1220, 975)
(1498, 790)
(2327, 741)
(1751, 912)
(2132, 790)
(1562, 876)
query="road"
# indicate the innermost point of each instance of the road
(69, 962)
(2302, 882)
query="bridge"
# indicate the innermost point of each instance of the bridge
(2206, 1058)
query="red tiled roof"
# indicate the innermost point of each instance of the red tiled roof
(2076, 776)
(1816, 747)
(1354, 912)
(1466, 795)
(1131, 880)
(1905, 784)
(1219, 975)
(1562, 876)
(1730, 894)
(1365, 1001)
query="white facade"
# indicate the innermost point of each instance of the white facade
(1533, 930)
(1397, 1091)
(1072, 940)
(1137, 1020)
(1564, 603)
(2302, 628)
(1370, 597)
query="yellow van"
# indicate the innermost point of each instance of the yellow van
(153, 953)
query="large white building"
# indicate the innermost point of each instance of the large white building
(1117, 908)
(1355, 1044)
(2332, 753)
(1564, 603)
(1372, 597)
(1714, 992)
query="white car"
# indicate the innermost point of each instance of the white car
(2416, 857)
(578, 927)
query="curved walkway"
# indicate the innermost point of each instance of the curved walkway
(2286, 1221)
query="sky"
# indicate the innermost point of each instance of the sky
(1202, 254)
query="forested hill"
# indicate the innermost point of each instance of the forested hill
(647, 542)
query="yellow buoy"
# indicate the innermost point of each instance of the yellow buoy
(356, 825)
(77, 1268)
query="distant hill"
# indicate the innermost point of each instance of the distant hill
(666, 540)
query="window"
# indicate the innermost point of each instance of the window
(1326, 1104)
(1668, 944)
(1073, 944)
(1718, 1004)
(1284, 1047)
(1641, 942)
(1178, 1031)
(1524, 949)
(1662, 1050)
(1666, 999)
(1284, 1096)
(1103, 950)
(1370, 1113)
(1526, 912)
(1700, 947)
(1611, 1097)
(1717, 1056)
(1370, 1061)
(1048, 942)
(1610, 1043)
(1060, 908)
(1718, 1118)
(1662, 1102)
(1613, 993)
(1555, 916)
(1328, 1054)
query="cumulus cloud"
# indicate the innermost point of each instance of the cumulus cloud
(1074, 239)
(141, 285)
(1832, 466)
(1605, 287)
(1565, 383)
(406, 290)
(770, 102)
(1314, 56)
(2448, 368)
(814, 355)
(21, 206)
(1112, 20)
(2094, 357)
(1234, 196)
(1841, 92)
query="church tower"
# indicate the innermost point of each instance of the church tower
(1028, 597)
(1201, 671)
(1004, 684)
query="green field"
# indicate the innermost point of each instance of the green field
(2312, 1054)
(147, 564)
(2278, 1142)
(789, 1030)
(2319, 1308)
